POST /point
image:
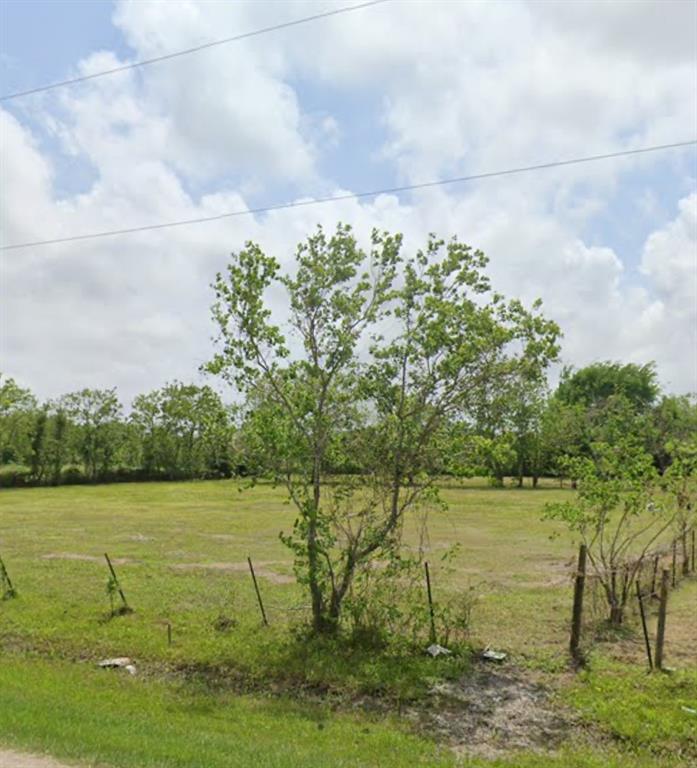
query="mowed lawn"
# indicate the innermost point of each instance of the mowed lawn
(180, 552)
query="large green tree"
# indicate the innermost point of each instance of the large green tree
(378, 353)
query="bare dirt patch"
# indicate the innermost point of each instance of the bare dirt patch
(11, 759)
(491, 713)
(260, 569)
(220, 536)
(84, 558)
(139, 537)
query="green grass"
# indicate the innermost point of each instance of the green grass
(640, 709)
(163, 529)
(181, 553)
(99, 716)
(107, 718)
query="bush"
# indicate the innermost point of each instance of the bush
(15, 478)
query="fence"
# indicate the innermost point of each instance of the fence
(599, 596)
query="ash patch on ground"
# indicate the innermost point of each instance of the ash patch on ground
(491, 713)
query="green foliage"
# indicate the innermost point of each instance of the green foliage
(595, 384)
(98, 430)
(348, 388)
(615, 512)
(183, 431)
(674, 422)
(16, 410)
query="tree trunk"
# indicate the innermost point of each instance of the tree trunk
(319, 621)
(535, 479)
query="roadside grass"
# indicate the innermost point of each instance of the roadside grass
(73, 711)
(655, 711)
(100, 717)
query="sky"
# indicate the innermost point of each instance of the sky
(394, 94)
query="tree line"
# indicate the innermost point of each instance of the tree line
(186, 431)
(180, 431)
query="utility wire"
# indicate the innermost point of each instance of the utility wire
(195, 49)
(352, 195)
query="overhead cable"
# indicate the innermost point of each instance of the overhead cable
(194, 49)
(350, 196)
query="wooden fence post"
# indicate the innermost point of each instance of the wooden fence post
(655, 575)
(430, 603)
(256, 589)
(675, 560)
(5, 579)
(662, 609)
(577, 615)
(647, 643)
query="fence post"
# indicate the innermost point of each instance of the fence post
(5, 577)
(430, 603)
(643, 624)
(655, 573)
(662, 608)
(675, 556)
(579, 584)
(256, 589)
(117, 583)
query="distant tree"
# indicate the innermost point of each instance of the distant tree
(587, 400)
(38, 446)
(564, 435)
(592, 386)
(376, 365)
(145, 417)
(528, 403)
(185, 431)
(17, 406)
(96, 415)
(674, 421)
(56, 444)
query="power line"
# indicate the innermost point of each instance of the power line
(351, 196)
(195, 49)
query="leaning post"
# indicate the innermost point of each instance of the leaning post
(577, 615)
(662, 610)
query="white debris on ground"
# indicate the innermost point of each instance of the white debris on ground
(121, 662)
(436, 650)
(489, 654)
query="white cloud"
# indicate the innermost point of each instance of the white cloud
(467, 86)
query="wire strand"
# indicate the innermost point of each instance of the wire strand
(195, 49)
(350, 196)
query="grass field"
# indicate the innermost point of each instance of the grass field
(229, 690)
